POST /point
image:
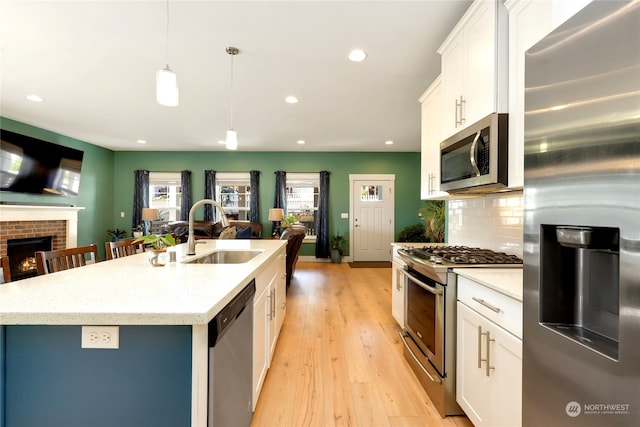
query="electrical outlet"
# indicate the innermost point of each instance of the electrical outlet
(101, 337)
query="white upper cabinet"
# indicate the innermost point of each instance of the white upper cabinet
(474, 67)
(431, 122)
(529, 22)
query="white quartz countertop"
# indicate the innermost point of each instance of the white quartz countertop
(507, 281)
(129, 291)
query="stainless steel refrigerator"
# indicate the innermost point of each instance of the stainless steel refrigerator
(581, 358)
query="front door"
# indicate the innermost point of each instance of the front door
(372, 213)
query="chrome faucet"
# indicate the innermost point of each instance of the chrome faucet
(191, 241)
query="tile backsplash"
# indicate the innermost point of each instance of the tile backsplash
(493, 222)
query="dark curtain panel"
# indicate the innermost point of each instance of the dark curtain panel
(322, 221)
(280, 197)
(185, 205)
(209, 193)
(255, 196)
(140, 198)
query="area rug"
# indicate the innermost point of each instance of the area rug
(370, 264)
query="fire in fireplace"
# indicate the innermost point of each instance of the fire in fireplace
(21, 253)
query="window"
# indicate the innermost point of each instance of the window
(302, 198)
(165, 194)
(233, 192)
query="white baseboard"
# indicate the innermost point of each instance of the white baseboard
(311, 258)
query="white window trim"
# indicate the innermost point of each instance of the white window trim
(305, 177)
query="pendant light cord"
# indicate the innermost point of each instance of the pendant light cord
(233, 51)
(167, 33)
(231, 125)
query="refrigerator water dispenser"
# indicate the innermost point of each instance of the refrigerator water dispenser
(579, 285)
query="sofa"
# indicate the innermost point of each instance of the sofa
(212, 230)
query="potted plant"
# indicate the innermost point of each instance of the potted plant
(288, 220)
(137, 231)
(413, 233)
(159, 244)
(434, 216)
(116, 234)
(335, 242)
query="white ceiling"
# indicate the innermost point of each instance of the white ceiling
(94, 62)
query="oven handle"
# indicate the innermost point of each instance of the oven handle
(422, 284)
(406, 345)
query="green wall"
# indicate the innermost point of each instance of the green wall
(96, 188)
(106, 186)
(405, 166)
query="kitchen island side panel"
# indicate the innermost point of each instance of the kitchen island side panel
(50, 380)
(2, 371)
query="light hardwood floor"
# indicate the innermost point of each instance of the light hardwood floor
(339, 361)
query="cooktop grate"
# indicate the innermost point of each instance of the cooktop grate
(464, 255)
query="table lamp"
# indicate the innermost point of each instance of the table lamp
(276, 215)
(149, 214)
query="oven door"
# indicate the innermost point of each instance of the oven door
(424, 316)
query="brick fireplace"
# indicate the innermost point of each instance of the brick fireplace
(25, 221)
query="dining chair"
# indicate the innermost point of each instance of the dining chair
(6, 273)
(123, 247)
(64, 259)
(294, 237)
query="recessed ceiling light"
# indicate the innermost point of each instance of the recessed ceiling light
(291, 99)
(35, 98)
(357, 55)
(141, 141)
(301, 141)
(389, 142)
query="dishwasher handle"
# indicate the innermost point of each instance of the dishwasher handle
(225, 318)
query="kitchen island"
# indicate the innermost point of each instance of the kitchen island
(158, 375)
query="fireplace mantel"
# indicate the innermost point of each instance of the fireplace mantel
(45, 213)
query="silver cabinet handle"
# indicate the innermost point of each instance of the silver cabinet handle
(273, 303)
(488, 341)
(460, 117)
(404, 341)
(486, 304)
(488, 367)
(480, 359)
(398, 280)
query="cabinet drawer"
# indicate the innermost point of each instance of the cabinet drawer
(266, 274)
(499, 308)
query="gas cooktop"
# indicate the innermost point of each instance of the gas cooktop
(462, 255)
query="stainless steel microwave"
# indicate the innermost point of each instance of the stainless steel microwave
(475, 160)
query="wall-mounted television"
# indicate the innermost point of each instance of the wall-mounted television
(30, 165)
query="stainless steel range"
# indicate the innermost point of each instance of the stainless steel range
(430, 317)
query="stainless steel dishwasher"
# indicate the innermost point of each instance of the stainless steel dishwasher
(230, 362)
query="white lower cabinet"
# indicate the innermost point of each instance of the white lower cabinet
(397, 292)
(269, 309)
(489, 371)
(398, 298)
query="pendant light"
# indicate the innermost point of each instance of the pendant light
(231, 143)
(166, 80)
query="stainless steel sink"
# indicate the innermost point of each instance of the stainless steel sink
(226, 257)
